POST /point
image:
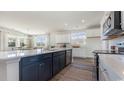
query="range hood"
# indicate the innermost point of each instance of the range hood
(112, 24)
(113, 32)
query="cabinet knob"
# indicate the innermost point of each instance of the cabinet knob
(41, 64)
(104, 70)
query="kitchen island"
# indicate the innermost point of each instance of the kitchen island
(33, 65)
(110, 65)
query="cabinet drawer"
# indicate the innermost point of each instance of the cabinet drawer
(59, 53)
(45, 56)
(31, 59)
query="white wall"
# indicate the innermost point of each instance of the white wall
(91, 45)
(52, 39)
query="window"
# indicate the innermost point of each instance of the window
(78, 36)
(11, 42)
(41, 41)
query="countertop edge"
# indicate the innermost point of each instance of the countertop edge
(27, 55)
(107, 52)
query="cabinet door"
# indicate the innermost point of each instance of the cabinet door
(45, 69)
(56, 65)
(29, 72)
(62, 61)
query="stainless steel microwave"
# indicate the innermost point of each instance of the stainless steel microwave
(112, 24)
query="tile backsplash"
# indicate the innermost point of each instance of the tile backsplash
(117, 42)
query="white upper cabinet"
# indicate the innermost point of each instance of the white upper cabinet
(62, 38)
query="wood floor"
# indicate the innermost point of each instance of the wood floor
(80, 70)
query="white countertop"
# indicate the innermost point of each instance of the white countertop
(6, 55)
(115, 63)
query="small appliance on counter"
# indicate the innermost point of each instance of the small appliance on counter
(114, 48)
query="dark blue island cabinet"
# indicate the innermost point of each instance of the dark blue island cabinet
(30, 72)
(43, 67)
(29, 68)
(35, 68)
(58, 61)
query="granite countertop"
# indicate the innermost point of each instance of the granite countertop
(107, 52)
(7, 55)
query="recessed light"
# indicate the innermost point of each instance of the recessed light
(82, 20)
(66, 24)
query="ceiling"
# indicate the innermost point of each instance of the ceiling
(40, 22)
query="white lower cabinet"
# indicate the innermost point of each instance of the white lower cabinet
(110, 67)
(103, 75)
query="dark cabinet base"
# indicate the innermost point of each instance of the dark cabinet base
(58, 62)
(29, 73)
(42, 67)
(45, 70)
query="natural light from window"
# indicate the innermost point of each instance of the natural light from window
(78, 38)
(78, 35)
(41, 40)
